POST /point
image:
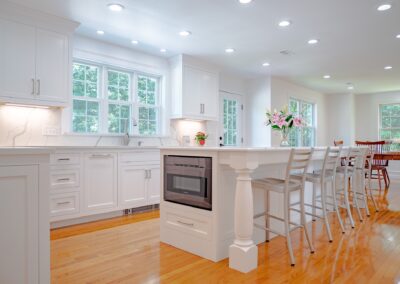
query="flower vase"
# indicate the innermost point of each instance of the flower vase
(284, 138)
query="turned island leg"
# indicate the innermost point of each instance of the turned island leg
(243, 252)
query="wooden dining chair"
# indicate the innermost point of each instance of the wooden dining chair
(378, 167)
(338, 142)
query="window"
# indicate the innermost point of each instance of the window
(119, 106)
(147, 101)
(389, 126)
(85, 103)
(115, 105)
(303, 136)
(231, 112)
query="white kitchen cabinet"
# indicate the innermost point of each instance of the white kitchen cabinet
(139, 186)
(153, 185)
(100, 181)
(52, 69)
(24, 216)
(35, 58)
(194, 90)
(17, 60)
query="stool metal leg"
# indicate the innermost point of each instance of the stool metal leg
(267, 219)
(286, 214)
(324, 213)
(346, 200)
(355, 196)
(336, 205)
(314, 197)
(304, 221)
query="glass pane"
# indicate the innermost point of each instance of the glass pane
(92, 124)
(123, 95)
(143, 113)
(293, 107)
(385, 122)
(143, 127)
(152, 114)
(124, 125)
(385, 134)
(113, 78)
(79, 107)
(91, 90)
(152, 128)
(78, 89)
(125, 111)
(147, 88)
(395, 122)
(112, 93)
(78, 123)
(91, 74)
(124, 80)
(113, 118)
(385, 110)
(151, 98)
(142, 97)
(93, 108)
(78, 72)
(395, 134)
(395, 111)
(151, 85)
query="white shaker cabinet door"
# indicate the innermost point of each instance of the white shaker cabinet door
(19, 223)
(132, 186)
(100, 181)
(192, 93)
(17, 60)
(210, 98)
(51, 66)
(154, 186)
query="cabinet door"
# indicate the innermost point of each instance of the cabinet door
(154, 186)
(209, 95)
(19, 223)
(17, 60)
(191, 105)
(51, 66)
(100, 181)
(132, 187)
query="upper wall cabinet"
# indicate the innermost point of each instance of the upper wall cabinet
(194, 89)
(35, 60)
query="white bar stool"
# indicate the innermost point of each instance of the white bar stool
(323, 177)
(299, 160)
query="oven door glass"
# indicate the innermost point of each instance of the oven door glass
(194, 186)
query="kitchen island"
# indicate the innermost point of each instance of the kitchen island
(227, 229)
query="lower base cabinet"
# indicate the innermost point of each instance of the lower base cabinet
(139, 186)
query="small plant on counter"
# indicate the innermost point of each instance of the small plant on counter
(201, 138)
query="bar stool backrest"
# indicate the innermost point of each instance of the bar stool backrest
(375, 147)
(331, 161)
(355, 158)
(299, 161)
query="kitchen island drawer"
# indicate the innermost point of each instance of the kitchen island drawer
(62, 204)
(65, 159)
(196, 226)
(139, 156)
(64, 178)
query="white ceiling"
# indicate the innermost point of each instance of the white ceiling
(356, 41)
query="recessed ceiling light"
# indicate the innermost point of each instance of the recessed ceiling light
(284, 23)
(398, 36)
(384, 7)
(134, 42)
(313, 41)
(115, 7)
(350, 86)
(388, 67)
(185, 33)
(163, 50)
(327, 76)
(100, 32)
(245, 1)
(265, 64)
(229, 50)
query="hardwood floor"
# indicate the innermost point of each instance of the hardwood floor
(132, 253)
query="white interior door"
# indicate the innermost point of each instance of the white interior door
(231, 111)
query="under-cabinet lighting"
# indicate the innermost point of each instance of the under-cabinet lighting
(30, 106)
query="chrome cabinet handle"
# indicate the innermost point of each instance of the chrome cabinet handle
(33, 87)
(149, 173)
(201, 108)
(38, 87)
(63, 159)
(186, 224)
(204, 108)
(63, 179)
(101, 155)
(63, 203)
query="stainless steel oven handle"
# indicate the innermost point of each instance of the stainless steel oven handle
(186, 224)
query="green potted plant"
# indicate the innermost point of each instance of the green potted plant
(201, 138)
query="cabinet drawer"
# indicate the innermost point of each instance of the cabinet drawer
(64, 178)
(61, 204)
(195, 226)
(139, 157)
(65, 159)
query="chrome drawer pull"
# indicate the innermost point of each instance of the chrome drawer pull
(186, 224)
(63, 179)
(63, 203)
(63, 159)
(101, 156)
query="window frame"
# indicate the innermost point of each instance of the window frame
(239, 117)
(391, 128)
(299, 137)
(104, 102)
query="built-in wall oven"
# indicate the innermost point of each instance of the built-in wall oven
(187, 180)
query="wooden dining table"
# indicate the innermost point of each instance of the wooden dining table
(391, 156)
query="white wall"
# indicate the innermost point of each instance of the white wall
(258, 100)
(282, 91)
(341, 118)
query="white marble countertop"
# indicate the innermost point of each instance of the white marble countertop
(232, 149)
(86, 147)
(24, 150)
